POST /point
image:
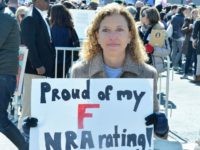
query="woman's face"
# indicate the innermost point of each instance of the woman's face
(195, 14)
(113, 35)
(21, 17)
(43, 4)
(145, 19)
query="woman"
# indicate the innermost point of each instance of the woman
(63, 34)
(157, 53)
(142, 28)
(21, 12)
(113, 49)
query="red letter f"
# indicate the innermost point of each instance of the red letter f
(82, 114)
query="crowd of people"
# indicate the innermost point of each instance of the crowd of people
(179, 21)
(118, 45)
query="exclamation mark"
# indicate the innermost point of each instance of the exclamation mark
(149, 135)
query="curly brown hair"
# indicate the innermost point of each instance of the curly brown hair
(91, 46)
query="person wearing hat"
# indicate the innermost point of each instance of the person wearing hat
(9, 46)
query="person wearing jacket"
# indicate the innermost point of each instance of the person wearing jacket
(196, 45)
(9, 47)
(188, 50)
(157, 53)
(113, 49)
(63, 35)
(177, 37)
(36, 35)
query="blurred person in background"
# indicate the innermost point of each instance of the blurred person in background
(138, 6)
(36, 35)
(157, 54)
(12, 6)
(177, 37)
(92, 6)
(63, 35)
(188, 11)
(132, 10)
(172, 12)
(9, 47)
(189, 51)
(196, 45)
(21, 13)
(69, 5)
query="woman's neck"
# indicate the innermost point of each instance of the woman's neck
(114, 62)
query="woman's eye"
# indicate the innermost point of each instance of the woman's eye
(105, 30)
(120, 29)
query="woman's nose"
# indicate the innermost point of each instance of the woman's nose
(113, 35)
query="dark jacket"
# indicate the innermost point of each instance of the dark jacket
(36, 37)
(94, 68)
(196, 34)
(63, 36)
(177, 23)
(9, 44)
(187, 31)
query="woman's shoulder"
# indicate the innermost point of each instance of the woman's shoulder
(80, 69)
(148, 70)
(159, 26)
(197, 21)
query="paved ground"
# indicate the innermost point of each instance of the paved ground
(5, 144)
(185, 117)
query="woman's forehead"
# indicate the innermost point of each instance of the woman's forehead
(113, 17)
(114, 20)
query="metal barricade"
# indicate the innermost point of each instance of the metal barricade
(64, 49)
(166, 86)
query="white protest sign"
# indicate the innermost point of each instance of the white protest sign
(22, 58)
(91, 114)
(81, 19)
